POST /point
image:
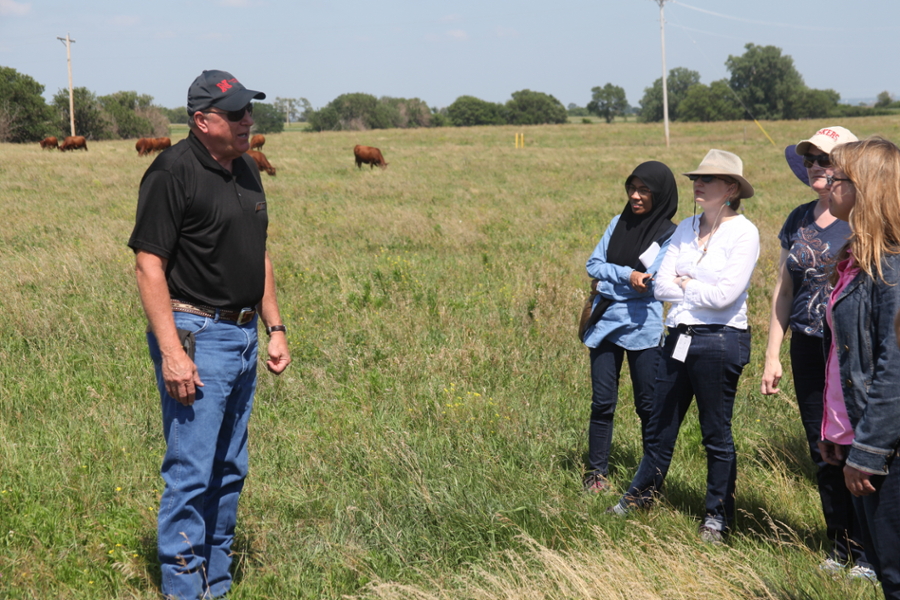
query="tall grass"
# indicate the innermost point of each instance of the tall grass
(428, 441)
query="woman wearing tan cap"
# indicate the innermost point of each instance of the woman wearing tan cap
(705, 277)
(810, 239)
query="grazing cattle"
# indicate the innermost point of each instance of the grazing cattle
(73, 142)
(262, 162)
(50, 143)
(257, 141)
(369, 155)
(144, 146)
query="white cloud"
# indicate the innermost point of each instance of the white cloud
(13, 8)
(458, 34)
(122, 21)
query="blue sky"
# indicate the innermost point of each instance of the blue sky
(439, 51)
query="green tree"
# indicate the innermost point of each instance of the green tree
(884, 100)
(577, 111)
(608, 102)
(679, 81)
(715, 102)
(467, 111)
(808, 103)
(175, 115)
(90, 120)
(766, 81)
(24, 116)
(267, 118)
(534, 108)
(122, 109)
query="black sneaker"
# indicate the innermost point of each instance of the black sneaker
(595, 483)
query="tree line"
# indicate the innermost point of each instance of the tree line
(763, 84)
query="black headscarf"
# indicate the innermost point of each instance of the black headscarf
(634, 233)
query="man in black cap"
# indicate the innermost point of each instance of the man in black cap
(205, 278)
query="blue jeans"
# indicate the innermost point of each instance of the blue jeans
(606, 364)
(710, 372)
(206, 458)
(841, 525)
(879, 516)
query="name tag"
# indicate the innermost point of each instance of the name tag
(260, 206)
(681, 347)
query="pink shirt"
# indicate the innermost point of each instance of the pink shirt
(835, 422)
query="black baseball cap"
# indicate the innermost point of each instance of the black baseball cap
(221, 90)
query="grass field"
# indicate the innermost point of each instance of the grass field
(428, 440)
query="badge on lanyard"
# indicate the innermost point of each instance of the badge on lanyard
(681, 347)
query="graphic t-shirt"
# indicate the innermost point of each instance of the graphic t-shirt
(811, 250)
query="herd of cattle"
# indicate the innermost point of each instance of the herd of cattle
(145, 146)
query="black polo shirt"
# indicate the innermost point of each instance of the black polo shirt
(208, 223)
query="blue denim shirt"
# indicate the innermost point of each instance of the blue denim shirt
(863, 331)
(634, 320)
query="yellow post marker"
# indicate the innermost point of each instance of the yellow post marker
(520, 140)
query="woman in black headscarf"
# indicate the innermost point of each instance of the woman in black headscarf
(626, 318)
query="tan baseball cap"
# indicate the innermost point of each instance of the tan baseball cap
(826, 139)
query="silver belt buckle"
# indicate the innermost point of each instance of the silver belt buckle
(245, 316)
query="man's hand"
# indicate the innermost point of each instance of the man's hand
(279, 355)
(181, 377)
(858, 481)
(594, 283)
(831, 453)
(639, 280)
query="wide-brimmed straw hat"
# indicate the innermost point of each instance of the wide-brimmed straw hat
(720, 162)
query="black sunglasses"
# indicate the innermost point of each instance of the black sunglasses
(232, 115)
(823, 159)
(703, 178)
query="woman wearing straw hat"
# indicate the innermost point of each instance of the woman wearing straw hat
(705, 276)
(810, 238)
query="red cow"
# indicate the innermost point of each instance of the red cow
(49, 143)
(257, 141)
(262, 162)
(369, 155)
(73, 142)
(160, 144)
(144, 146)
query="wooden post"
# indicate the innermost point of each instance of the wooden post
(68, 43)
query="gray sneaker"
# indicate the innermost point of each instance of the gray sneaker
(618, 509)
(860, 572)
(711, 532)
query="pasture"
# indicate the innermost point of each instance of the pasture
(428, 440)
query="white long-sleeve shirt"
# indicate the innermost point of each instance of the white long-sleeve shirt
(717, 292)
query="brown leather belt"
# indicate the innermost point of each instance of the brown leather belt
(241, 317)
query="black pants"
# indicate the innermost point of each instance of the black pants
(842, 526)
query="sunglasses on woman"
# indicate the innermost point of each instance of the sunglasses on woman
(232, 115)
(703, 178)
(810, 159)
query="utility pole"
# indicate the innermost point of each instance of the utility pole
(662, 37)
(69, 43)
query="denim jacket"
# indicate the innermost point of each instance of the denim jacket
(869, 359)
(634, 320)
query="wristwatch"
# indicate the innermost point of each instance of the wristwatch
(273, 328)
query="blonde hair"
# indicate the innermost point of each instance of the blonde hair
(873, 166)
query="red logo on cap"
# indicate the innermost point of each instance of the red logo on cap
(830, 133)
(224, 85)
